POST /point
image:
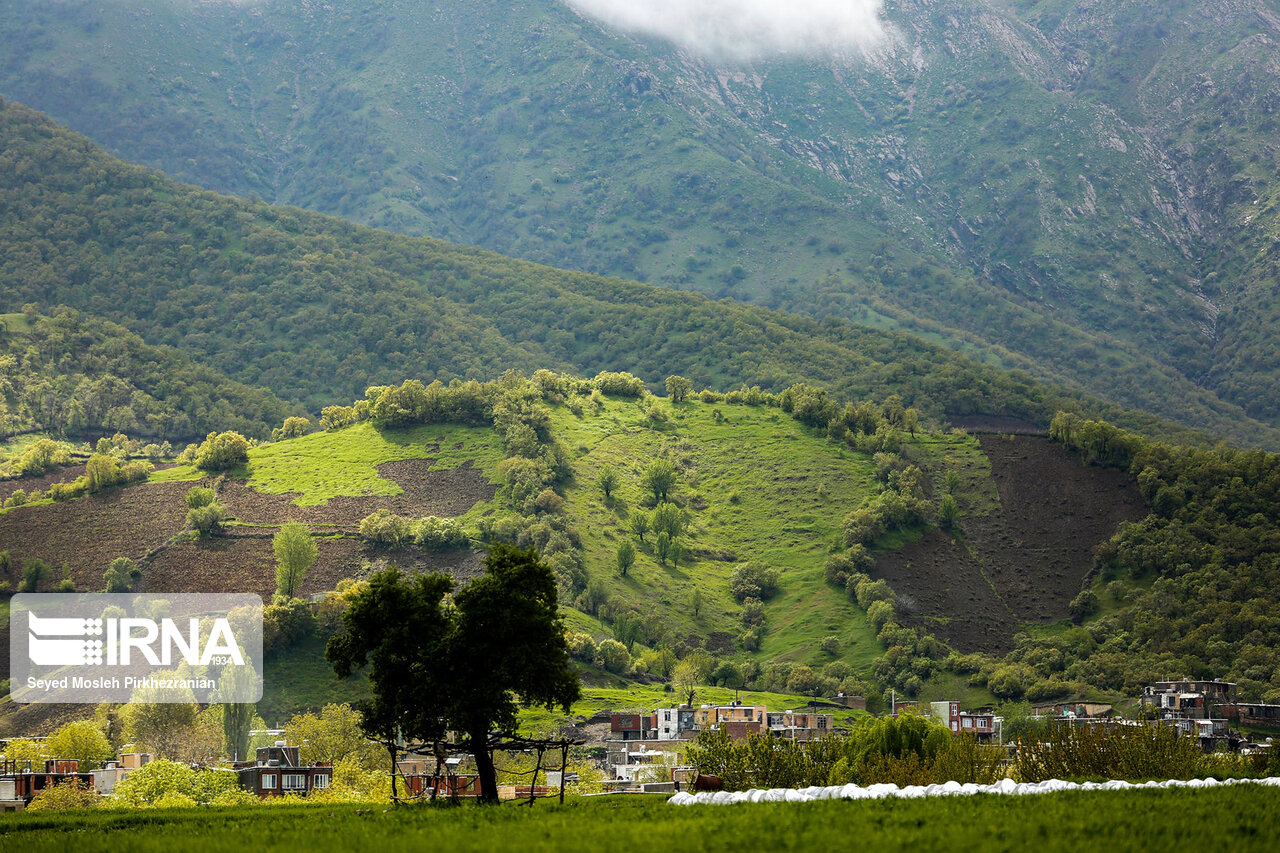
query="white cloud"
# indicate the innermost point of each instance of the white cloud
(746, 29)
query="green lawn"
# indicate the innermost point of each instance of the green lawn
(1240, 818)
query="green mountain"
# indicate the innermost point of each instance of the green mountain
(1084, 192)
(788, 541)
(312, 307)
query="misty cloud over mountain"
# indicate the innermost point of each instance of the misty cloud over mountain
(746, 29)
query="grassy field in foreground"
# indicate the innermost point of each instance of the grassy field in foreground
(1240, 818)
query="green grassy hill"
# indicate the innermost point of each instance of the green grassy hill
(1082, 192)
(1051, 577)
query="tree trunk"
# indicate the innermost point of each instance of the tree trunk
(484, 766)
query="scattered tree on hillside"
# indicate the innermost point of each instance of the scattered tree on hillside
(296, 552)
(119, 575)
(678, 388)
(204, 514)
(659, 478)
(691, 673)
(626, 556)
(640, 524)
(292, 428)
(607, 481)
(753, 580)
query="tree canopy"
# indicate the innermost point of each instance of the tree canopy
(461, 666)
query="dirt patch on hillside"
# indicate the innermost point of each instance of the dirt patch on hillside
(40, 483)
(426, 492)
(1025, 562)
(461, 565)
(86, 534)
(246, 563)
(940, 586)
(996, 424)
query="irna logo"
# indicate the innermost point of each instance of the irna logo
(62, 641)
(135, 647)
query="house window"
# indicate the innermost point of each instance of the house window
(295, 782)
(954, 726)
(269, 780)
(968, 723)
(320, 781)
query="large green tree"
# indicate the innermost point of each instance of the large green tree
(462, 666)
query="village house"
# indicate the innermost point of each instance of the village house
(1193, 700)
(676, 723)
(737, 719)
(1255, 715)
(633, 727)
(20, 782)
(984, 725)
(853, 703)
(278, 771)
(419, 773)
(801, 726)
(1067, 711)
(113, 773)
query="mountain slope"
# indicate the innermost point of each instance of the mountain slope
(70, 374)
(311, 306)
(1062, 189)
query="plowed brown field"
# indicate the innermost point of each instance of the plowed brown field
(1023, 563)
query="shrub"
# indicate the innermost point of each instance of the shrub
(1083, 606)
(42, 456)
(880, 613)
(336, 417)
(33, 571)
(582, 647)
(65, 795)
(207, 519)
(200, 496)
(292, 428)
(753, 580)
(440, 534)
(613, 656)
(286, 623)
(385, 527)
(868, 592)
(619, 384)
(221, 451)
(548, 501)
(163, 783)
(1010, 681)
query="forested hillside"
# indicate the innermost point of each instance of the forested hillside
(1086, 192)
(312, 307)
(75, 374)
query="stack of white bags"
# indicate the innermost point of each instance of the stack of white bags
(947, 789)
